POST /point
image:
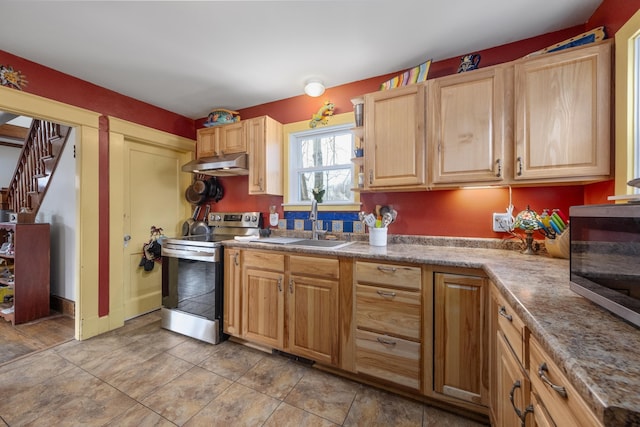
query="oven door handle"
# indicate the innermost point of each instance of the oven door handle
(195, 255)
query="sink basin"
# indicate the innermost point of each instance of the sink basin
(321, 243)
(296, 241)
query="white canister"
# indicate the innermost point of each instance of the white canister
(378, 236)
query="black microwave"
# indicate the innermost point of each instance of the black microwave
(605, 257)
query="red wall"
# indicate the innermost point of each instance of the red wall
(52, 84)
(451, 212)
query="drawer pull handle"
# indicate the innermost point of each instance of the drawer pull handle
(542, 373)
(522, 415)
(387, 269)
(503, 312)
(386, 342)
(384, 294)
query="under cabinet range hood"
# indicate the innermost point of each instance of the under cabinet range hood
(229, 164)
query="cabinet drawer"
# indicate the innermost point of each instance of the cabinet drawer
(263, 260)
(512, 327)
(540, 414)
(389, 311)
(399, 276)
(312, 266)
(392, 359)
(564, 405)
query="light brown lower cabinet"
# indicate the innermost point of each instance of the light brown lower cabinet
(510, 385)
(512, 406)
(528, 388)
(263, 281)
(388, 322)
(232, 298)
(461, 337)
(289, 303)
(312, 302)
(553, 391)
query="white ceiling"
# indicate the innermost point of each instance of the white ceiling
(189, 57)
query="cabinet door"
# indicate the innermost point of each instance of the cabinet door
(562, 114)
(207, 142)
(512, 388)
(232, 139)
(264, 143)
(466, 126)
(263, 307)
(232, 292)
(313, 315)
(395, 138)
(460, 362)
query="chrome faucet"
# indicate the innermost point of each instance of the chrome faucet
(313, 217)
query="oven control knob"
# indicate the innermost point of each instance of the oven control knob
(254, 218)
(247, 217)
(217, 218)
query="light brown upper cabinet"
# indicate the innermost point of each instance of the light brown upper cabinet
(264, 141)
(562, 115)
(220, 140)
(395, 154)
(467, 117)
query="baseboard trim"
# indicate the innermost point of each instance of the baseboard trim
(63, 305)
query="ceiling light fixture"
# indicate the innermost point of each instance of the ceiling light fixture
(314, 88)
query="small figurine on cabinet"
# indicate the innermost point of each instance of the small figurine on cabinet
(221, 116)
(469, 62)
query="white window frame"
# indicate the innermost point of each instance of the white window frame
(294, 163)
(627, 105)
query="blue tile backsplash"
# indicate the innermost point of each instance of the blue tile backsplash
(336, 222)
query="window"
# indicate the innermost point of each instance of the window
(321, 159)
(627, 104)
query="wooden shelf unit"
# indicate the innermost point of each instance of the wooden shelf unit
(31, 269)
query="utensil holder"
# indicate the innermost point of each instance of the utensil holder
(559, 247)
(377, 236)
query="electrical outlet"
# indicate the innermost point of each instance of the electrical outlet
(502, 222)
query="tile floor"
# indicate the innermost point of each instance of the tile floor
(142, 375)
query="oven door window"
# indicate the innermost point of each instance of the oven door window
(194, 287)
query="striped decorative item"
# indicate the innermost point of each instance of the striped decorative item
(414, 75)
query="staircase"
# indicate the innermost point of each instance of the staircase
(37, 162)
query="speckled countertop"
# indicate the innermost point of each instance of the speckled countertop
(598, 352)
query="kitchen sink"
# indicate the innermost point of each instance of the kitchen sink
(293, 241)
(321, 243)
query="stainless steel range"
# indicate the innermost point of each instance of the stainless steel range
(192, 275)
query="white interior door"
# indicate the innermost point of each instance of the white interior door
(152, 197)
